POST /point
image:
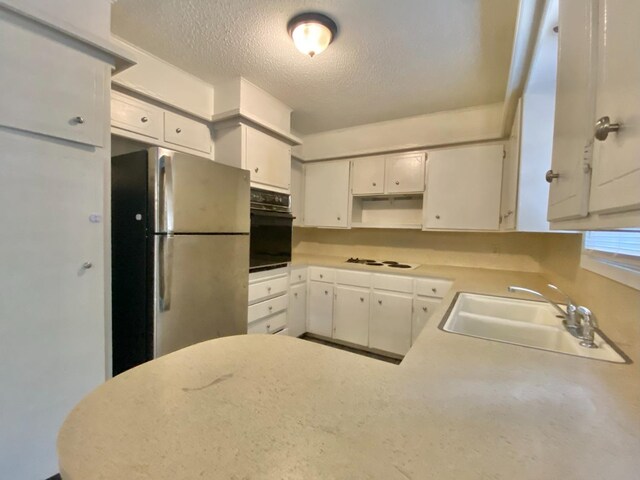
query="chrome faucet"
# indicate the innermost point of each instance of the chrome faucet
(568, 315)
(589, 325)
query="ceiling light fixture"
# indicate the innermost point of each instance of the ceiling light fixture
(312, 32)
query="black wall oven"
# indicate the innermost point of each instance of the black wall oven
(271, 229)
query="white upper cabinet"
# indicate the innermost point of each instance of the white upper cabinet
(186, 132)
(326, 194)
(368, 176)
(65, 84)
(404, 173)
(615, 184)
(508, 202)
(574, 113)
(268, 159)
(132, 115)
(464, 188)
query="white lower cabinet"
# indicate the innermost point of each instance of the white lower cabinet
(351, 315)
(423, 308)
(320, 318)
(390, 322)
(297, 310)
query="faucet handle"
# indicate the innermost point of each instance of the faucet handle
(571, 305)
(589, 324)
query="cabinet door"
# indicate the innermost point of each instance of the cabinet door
(510, 175)
(390, 322)
(326, 194)
(351, 318)
(368, 176)
(188, 133)
(49, 87)
(574, 113)
(297, 321)
(297, 192)
(423, 308)
(135, 116)
(320, 318)
(464, 188)
(268, 159)
(615, 184)
(404, 173)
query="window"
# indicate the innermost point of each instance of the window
(615, 255)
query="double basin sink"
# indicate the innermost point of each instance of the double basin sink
(521, 322)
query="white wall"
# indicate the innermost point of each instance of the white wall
(436, 129)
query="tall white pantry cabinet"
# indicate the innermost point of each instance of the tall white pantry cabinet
(54, 132)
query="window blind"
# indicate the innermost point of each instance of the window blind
(616, 243)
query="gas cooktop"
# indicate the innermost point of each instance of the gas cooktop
(383, 263)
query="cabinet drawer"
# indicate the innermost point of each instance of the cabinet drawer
(321, 274)
(135, 116)
(394, 283)
(298, 275)
(268, 308)
(268, 288)
(432, 287)
(272, 324)
(65, 86)
(183, 131)
(358, 279)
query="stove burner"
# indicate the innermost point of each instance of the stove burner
(361, 260)
(390, 262)
(373, 263)
(398, 265)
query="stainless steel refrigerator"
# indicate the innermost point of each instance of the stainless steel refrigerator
(180, 253)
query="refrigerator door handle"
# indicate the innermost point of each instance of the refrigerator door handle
(166, 193)
(165, 259)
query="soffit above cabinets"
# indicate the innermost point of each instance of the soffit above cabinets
(390, 59)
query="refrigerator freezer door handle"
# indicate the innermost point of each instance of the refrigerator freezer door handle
(165, 259)
(166, 193)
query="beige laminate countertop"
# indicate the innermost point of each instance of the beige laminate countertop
(275, 407)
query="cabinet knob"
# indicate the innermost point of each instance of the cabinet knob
(397, 182)
(144, 119)
(379, 302)
(178, 130)
(362, 299)
(338, 218)
(256, 169)
(299, 277)
(604, 127)
(270, 307)
(295, 294)
(424, 309)
(374, 184)
(550, 176)
(79, 120)
(268, 289)
(321, 276)
(326, 292)
(437, 217)
(87, 265)
(434, 290)
(268, 326)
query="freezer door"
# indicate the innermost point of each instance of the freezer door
(200, 289)
(197, 195)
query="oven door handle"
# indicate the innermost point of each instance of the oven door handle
(269, 213)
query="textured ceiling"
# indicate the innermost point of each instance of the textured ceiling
(391, 59)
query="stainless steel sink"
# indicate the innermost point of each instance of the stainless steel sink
(521, 322)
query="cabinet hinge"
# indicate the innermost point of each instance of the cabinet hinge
(504, 154)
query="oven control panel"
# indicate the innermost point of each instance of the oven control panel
(267, 200)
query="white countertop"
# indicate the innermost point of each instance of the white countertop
(275, 407)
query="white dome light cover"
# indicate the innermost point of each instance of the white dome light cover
(312, 32)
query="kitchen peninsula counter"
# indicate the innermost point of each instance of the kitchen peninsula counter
(275, 407)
